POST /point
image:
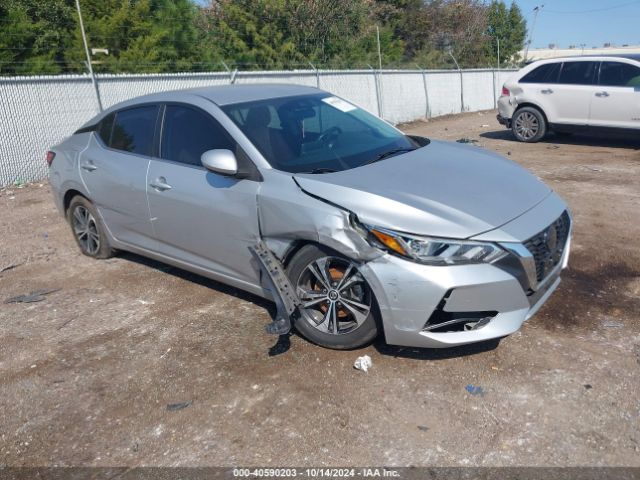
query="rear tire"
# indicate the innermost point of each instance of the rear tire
(343, 316)
(87, 229)
(528, 125)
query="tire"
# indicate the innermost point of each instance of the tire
(87, 229)
(356, 326)
(529, 125)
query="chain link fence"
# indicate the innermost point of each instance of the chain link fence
(38, 112)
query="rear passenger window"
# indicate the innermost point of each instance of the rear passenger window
(187, 133)
(618, 74)
(578, 73)
(547, 73)
(134, 128)
(105, 127)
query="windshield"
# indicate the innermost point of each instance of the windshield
(316, 133)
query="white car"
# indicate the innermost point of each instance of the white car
(568, 95)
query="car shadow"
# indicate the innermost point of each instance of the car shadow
(283, 343)
(434, 353)
(591, 139)
(199, 280)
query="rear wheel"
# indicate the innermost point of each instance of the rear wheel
(87, 229)
(529, 125)
(339, 309)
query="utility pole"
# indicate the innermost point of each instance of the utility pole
(533, 26)
(379, 53)
(498, 40)
(86, 51)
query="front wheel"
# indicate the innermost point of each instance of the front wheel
(529, 125)
(339, 309)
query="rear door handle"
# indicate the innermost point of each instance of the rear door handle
(88, 166)
(546, 91)
(160, 184)
(602, 94)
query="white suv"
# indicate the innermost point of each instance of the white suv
(574, 94)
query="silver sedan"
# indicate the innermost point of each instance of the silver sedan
(354, 229)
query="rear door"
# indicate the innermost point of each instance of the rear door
(202, 218)
(569, 99)
(114, 171)
(616, 103)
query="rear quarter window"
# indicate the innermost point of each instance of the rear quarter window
(105, 127)
(547, 73)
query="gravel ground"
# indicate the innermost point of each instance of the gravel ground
(88, 373)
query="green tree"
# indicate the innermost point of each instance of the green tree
(34, 36)
(506, 26)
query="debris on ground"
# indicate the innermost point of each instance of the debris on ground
(484, 125)
(475, 390)
(467, 140)
(612, 324)
(592, 169)
(174, 407)
(363, 363)
(588, 386)
(281, 346)
(35, 296)
(422, 428)
(9, 267)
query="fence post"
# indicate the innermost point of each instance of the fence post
(427, 113)
(495, 100)
(232, 74)
(461, 91)
(378, 95)
(317, 74)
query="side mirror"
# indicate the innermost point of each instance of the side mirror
(220, 161)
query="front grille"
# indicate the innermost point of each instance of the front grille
(548, 246)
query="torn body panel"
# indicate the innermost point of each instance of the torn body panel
(288, 215)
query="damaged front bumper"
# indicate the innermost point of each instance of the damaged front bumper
(488, 301)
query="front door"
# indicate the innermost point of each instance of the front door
(201, 218)
(616, 103)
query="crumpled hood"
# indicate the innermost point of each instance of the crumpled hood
(443, 189)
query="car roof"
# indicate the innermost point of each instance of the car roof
(219, 94)
(228, 94)
(627, 56)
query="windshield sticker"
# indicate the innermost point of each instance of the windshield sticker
(338, 103)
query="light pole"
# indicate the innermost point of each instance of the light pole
(379, 52)
(86, 51)
(533, 26)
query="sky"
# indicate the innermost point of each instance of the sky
(592, 22)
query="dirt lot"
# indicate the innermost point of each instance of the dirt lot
(86, 375)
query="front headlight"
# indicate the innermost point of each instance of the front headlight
(435, 251)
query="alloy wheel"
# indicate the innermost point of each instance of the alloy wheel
(336, 298)
(527, 125)
(86, 230)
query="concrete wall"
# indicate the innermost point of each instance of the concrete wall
(37, 112)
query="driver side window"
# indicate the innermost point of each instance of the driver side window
(188, 132)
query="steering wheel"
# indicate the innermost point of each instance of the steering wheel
(330, 136)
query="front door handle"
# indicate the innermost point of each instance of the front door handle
(546, 91)
(88, 166)
(160, 184)
(602, 94)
